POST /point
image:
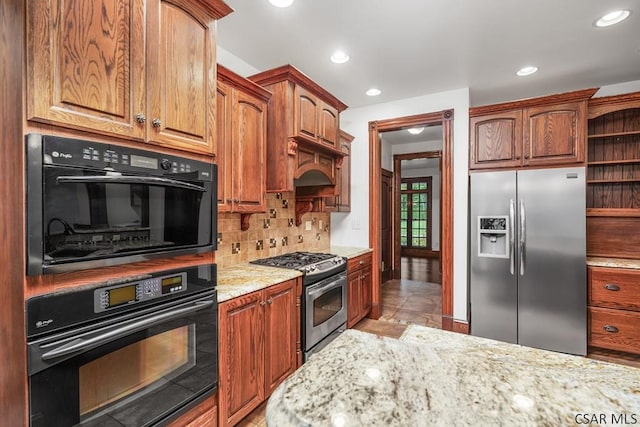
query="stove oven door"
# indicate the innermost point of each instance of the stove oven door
(325, 309)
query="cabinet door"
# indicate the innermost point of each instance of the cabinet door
(181, 63)
(366, 289)
(241, 347)
(495, 140)
(249, 134)
(306, 114)
(328, 125)
(86, 65)
(555, 135)
(354, 297)
(280, 334)
(222, 146)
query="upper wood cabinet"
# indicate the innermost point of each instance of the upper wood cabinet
(140, 70)
(303, 127)
(259, 344)
(535, 132)
(342, 201)
(241, 143)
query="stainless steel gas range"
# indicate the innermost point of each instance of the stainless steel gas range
(324, 302)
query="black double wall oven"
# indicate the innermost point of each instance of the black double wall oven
(132, 351)
(92, 204)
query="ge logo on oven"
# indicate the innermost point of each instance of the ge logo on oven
(43, 323)
(63, 155)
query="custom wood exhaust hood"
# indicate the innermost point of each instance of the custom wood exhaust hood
(303, 127)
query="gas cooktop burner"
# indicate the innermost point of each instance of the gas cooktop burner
(310, 263)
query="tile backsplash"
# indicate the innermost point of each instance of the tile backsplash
(271, 233)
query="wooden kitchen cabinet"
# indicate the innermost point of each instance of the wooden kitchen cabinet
(302, 130)
(342, 201)
(614, 308)
(545, 131)
(358, 288)
(241, 109)
(259, 345)
(120, 68)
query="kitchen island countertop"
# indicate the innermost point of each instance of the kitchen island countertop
(435, 377)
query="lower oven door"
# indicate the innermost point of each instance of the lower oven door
(325, 308)
(137, 372)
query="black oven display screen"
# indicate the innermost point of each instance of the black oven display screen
(92, 215)
(170, 283)
(122, 295)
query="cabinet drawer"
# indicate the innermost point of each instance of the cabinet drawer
(359, 262)
(614, 329)
(614, 288)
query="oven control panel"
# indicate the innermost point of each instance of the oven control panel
(110, 297)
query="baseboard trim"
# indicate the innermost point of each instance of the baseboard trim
(450, 324)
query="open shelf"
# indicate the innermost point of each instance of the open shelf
(617, 212)
(614, 134)
(613, 162)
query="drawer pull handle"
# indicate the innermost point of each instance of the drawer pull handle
(611, 287)
(610, 328)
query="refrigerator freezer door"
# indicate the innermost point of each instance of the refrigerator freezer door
(552, 285)
(493, 283)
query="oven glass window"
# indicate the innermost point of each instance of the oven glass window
(327, 305)
(86, 216)
(134, 370)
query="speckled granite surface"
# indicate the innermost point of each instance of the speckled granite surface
(432, 377)
(241, 279)
(348, 251)
(614, 262)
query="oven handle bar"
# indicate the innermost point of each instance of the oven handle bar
(123, 179)
(328, 286)
(81, 344)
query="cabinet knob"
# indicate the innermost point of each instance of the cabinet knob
(237, 200)
(611, 287)
(610, 328)
(361, 262)
(156, 122)
(140, 118)
(263, 303)
(229, 200)
(270, 300)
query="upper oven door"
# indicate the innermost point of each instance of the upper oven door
(325, 308)
(129, 373)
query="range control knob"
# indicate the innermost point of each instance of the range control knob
(165, 164)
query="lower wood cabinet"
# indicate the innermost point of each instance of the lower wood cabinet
(614, 309)
(203, 415)
(259, 344)
(358, 289)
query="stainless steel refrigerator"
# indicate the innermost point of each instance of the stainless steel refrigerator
(528, 258)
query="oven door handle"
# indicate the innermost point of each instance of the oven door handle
(82, 344)
(328, 286)
(124, 179)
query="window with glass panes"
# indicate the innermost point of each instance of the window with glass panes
(415, 213)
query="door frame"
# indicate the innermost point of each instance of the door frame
(445, 119)
(397, 169)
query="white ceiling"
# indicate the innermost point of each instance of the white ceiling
(409, 48)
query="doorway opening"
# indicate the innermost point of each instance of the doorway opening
(419, 249)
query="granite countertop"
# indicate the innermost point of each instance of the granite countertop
(434, 377)
(348, 251)
(614, 262)
(240, 279)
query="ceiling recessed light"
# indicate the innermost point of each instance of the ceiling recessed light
(339, 57)
(613, 18)
(373, 92)
(527, 71)
(281, 3)
(415, 131)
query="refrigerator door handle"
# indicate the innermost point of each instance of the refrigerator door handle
(523, 236)
(512, 237)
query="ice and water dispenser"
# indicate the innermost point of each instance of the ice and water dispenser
(493, 236)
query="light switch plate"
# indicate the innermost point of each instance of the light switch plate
(307, 225)
(320, 224)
